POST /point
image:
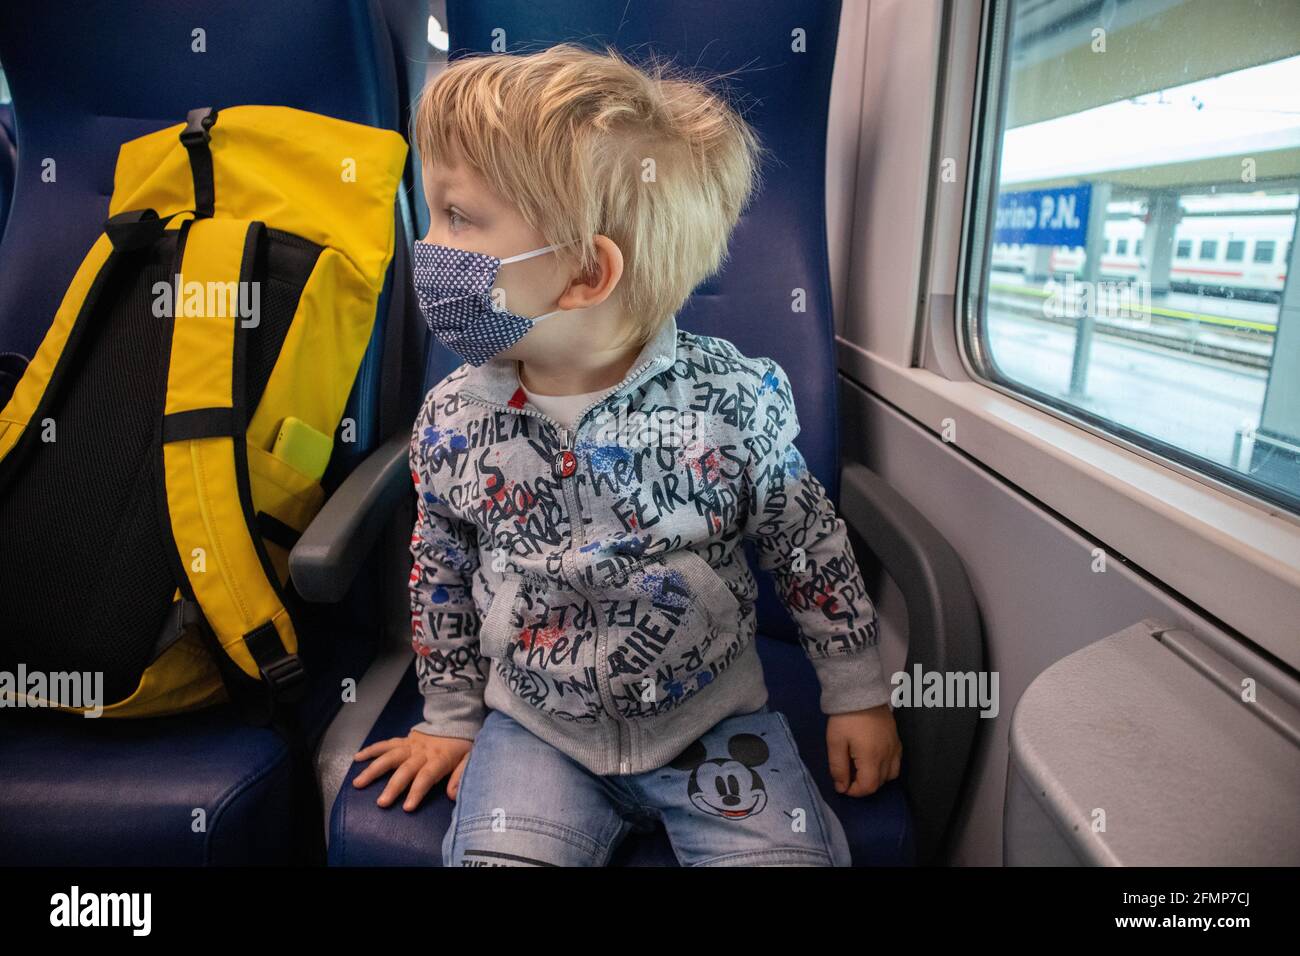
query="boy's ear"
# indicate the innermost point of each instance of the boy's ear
(597, 283)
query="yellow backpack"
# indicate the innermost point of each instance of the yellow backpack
(146, 512)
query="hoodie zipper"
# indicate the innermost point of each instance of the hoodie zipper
(570, 491)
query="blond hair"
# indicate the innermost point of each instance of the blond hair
(587, 144)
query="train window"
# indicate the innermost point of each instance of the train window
(1176, 355)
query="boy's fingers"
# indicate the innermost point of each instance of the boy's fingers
(399, 781)
(375, 749)
(866, 776)
(381, 765)
(837, 752)
(420, 787)
(453, 785)
(866, 781)
(895, 766)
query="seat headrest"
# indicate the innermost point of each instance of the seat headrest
(779, 56)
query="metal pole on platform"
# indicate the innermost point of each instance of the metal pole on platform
(1093, 250)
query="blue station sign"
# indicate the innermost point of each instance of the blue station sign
(1044, 217)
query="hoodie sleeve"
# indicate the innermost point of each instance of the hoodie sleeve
(444, 618)
(804, 543)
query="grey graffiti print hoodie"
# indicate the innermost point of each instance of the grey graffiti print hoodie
(591, 584)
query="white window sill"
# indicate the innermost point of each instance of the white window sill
(1237, 560)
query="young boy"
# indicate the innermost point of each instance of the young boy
(582, 609)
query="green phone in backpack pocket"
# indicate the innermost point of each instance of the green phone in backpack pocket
(302, 447)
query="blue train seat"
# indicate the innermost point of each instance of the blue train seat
(11, 365)
(8, 161)
(786, 95)
(408, 26)
(78, 791)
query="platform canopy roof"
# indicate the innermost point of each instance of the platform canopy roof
(1187, 95)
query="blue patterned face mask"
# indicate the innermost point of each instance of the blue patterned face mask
(454, 289)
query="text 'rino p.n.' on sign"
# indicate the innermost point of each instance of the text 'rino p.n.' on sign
(1044, 217)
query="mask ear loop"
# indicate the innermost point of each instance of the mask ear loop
(538, 252)
(528, 255)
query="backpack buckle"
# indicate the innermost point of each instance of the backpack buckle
(286, 677)
(198, 125)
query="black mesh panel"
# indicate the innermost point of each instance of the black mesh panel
(84, 580)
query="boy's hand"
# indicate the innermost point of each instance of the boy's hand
(421, 761)
(869, 739)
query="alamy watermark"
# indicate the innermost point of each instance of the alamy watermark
(76, 908)
(35, 688)
(661, 428)
(1075, 299)
(186, 299)
(922, 688)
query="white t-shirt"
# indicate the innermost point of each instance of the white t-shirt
(564, 408)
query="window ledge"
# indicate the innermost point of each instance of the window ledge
(1238, 560)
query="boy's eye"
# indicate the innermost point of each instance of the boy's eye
(454, 217)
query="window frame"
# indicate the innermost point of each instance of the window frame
(1225, 556)
(985, 158)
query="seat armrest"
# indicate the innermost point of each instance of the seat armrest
(326, 558)
(1151, 724)
(944, 635)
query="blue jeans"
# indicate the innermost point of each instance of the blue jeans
(739, 796)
